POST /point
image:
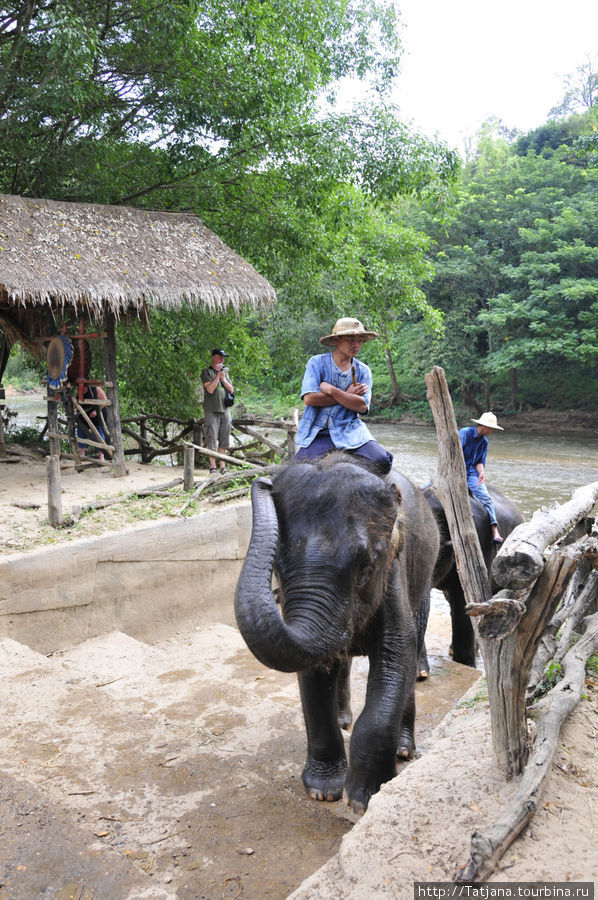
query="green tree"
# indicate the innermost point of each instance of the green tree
(550, 314)
(581, 90)
(111, 101)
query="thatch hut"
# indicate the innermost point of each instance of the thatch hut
(103, 262)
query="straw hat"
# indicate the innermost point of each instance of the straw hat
(348, 326)
(489, 420)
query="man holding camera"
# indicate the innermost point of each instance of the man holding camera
(216, 422)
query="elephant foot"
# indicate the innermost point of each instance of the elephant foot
(406, 746)
(345, 719)
(357, 794)
(423, 674)
(355, 805)
(324, 781)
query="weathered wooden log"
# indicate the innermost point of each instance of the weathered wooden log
(188, 470)
(264, 422)
(508, 664)
(67, 402)
(499, 616)
(54, 490)
(521, 557)
(291, 443)
(487, 848)
(215, 455)
(580, 608)
(259, 437)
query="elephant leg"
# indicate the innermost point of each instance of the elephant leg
(406, 742)
(423, 613)
(375, 737)
(326, 765)
(343, 694)
(463, 642)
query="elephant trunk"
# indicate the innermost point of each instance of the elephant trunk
(286, 647)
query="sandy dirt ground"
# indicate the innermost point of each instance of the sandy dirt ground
(417, 829)
(24, 500)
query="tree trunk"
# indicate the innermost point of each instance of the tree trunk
(396, 390)
(469, 400)
(514, 387)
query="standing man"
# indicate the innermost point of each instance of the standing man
(474, 442)
(216, 420)
(336, 388)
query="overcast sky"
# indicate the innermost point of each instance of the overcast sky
(467, 60)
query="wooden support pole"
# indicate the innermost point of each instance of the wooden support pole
(189, 467)
(451, 487)
(500, 618)
(291, 445)
(113, 411)
(54, 490)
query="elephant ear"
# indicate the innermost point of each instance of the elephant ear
(398, 529)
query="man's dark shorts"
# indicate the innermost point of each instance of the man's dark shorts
(371, 450)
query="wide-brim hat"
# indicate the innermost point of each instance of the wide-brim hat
(489, 420)
(348, 326)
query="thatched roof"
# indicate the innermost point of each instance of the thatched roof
(87, 255)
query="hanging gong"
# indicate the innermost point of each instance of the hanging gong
(58, 357)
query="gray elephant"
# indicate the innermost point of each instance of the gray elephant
(353, 556)
(446, 577)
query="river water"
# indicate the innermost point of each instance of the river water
(534, 470)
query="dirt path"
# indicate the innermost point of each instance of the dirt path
(175, 767)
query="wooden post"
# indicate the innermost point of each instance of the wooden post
(54, 490)
(189, 467)
(113, 411)
(453, 493)
(291, 446)
(505, 705)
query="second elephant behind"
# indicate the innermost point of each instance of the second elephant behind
(446, 577)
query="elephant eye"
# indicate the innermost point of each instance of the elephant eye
(364, 575)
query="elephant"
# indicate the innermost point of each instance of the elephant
(353, 554)
(446, 577)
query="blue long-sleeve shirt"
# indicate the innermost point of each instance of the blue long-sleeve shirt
(475, 448)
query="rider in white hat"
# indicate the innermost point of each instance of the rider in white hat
(474, 442)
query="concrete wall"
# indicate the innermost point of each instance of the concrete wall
(149, 582)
